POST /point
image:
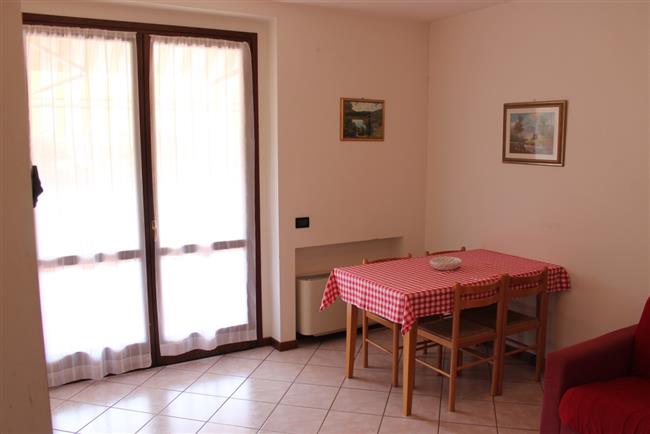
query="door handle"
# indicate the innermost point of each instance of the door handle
(154, 229)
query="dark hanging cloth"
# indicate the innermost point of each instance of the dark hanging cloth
(37, 189)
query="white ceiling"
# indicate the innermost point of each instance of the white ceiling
(419, 10)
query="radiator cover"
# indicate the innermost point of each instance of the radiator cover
(310, 320)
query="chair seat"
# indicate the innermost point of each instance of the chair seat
(617, 406)
(488, 316)
(443, 328)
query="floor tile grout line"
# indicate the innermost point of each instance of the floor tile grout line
(336, 395)
(185, 390)
(339, 390)
(159, 413)
(234, 391)
(226, 398)
(91, 382)
(92, 420)
(80, 390)
(474, 424)
(383, 415)
(285, 392)
(96, 417)
(288, 388)
(304, 365)
(230, 396)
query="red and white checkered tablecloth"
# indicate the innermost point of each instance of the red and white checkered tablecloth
(406, 289)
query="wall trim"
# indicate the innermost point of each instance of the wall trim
(280, 346)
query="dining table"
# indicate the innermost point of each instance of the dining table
(405, 290)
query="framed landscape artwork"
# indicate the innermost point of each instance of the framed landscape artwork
(534, 132)
(362, 119)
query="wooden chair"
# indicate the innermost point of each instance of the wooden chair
(458, 334)
(520, 287)
(441, 252)
(428, 253)
(394, 328)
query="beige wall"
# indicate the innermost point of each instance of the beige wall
(310, 57)
(590, 216)
(24, 404)
(352, 190)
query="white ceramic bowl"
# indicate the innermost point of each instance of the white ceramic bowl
(445, 263)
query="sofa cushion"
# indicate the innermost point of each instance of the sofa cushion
(641, 360)
(616, 406)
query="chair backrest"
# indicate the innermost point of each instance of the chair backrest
(520, 287)
(367, 261)
(480, 295)
(472, 296)
(428, 253)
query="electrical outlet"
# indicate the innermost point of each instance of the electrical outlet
(302, 222)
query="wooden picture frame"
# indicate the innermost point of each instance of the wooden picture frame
(362, 119)
(534, 132)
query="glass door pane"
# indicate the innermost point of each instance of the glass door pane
(84, 140)
(202, 145)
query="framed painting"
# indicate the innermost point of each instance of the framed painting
(534, 132)
(362, 119)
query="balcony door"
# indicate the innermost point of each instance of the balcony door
(204, 191)
(145, 141)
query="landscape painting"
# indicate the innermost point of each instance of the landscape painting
(534, 132)
(362, 119)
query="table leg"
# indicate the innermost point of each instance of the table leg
(350, 339)
(408, 380)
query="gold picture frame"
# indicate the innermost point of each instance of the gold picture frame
(362, 119)
(535, 132)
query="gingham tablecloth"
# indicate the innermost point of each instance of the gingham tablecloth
(406, 289)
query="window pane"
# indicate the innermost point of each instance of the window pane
(89, 217)
(201, 147)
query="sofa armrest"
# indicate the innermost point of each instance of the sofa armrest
(603, 358)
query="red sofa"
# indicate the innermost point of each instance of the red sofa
(601, 386)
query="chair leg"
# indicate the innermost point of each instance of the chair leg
(501, 346)
(540, 353)
(364, 339)
(453, 372)
(395, 379)
(408, 378)
(351, 325)
(497, 366)
(540, 356)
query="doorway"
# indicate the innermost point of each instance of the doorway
(145, 138)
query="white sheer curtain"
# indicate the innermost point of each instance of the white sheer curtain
(84, 139)
(203, 141)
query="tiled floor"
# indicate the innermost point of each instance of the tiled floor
(297, 391)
